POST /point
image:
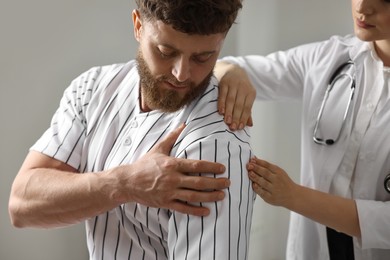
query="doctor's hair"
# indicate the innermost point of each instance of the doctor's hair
(201, 17)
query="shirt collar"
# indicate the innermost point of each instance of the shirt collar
(359, 48)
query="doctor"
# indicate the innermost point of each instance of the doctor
(341, 208)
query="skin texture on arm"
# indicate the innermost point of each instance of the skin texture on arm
(48, 193)
(275, 187)
(236, 95)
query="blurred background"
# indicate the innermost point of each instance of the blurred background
(45, 44)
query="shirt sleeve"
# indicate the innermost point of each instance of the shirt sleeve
(224, 234)
(63, 140)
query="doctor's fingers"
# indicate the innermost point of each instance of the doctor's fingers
(238, 106)
(267, 170)
(260, 171)
(228, 102)
(258, 180)
(274, 193)
(263, 193)
(242, 112)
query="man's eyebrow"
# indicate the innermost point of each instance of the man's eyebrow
(205, 53)
(176, 49)
(167, 46)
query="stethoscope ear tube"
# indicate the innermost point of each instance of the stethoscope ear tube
(387, 183)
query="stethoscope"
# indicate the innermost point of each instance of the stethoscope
(387, 183)
(338, 75)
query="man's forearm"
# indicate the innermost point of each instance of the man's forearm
(53, 198)
(49, 193)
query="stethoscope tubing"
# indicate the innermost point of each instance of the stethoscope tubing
(335, 76)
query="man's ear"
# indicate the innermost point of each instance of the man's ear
(137, 24)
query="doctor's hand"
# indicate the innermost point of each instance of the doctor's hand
(236, 95)
(271, 183)
(163, 181)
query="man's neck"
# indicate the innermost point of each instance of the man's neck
(142, 104)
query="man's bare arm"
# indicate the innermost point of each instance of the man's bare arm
(49, 193)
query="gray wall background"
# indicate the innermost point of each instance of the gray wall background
(45, 44)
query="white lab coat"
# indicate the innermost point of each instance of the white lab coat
(362, 151)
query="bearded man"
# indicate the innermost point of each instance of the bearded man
(139, 151)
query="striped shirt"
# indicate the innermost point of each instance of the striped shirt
(99, 125)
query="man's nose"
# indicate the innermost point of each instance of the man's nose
(181, 69)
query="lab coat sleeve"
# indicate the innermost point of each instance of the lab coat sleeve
(374, 219)
(278, 76)
(286, 75)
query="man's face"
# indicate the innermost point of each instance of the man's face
(174, 67)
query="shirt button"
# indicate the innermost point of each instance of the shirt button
(134, 124)
(127, 141)
(370, 106)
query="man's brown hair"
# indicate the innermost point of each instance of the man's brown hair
(201, 17)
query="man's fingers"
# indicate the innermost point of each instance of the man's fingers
(199, 183)
(193, 196)
(199, 166)
(166, 144)
(189, 209)
(187, 199)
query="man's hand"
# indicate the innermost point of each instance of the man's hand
(159, 180)
(236, 95)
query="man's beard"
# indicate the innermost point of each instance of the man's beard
(166, 100)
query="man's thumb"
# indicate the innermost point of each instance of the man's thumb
(166, 144)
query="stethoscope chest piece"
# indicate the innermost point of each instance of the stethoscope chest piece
(387, 183)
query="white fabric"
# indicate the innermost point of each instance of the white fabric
(99, 126)
(360, 158)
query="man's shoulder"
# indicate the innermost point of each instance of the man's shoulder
(204, 110)
(210, 133)
(207, 102)
(104, 80)
(204, 122)
(96, 76)
(100, 87)
(108, 72)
